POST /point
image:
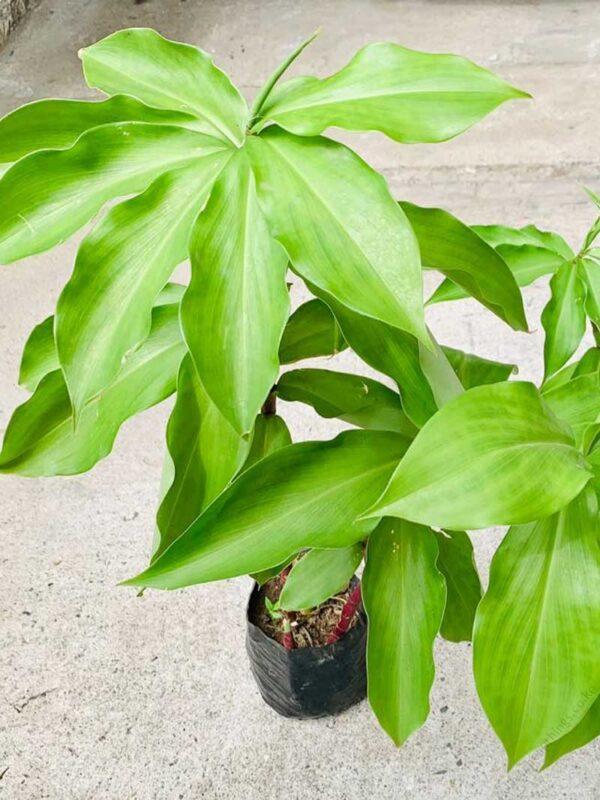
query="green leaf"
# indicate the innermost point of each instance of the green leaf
(463, 587)
(40, 356)
(206, 453)
(527, 263)
(442, 378)
(408, 95)
(495, 455)
(588, 363)
(319, 575)
(270, 434)
(340, 226)
(577, 403)
(41, 438)
(583, 733)
(404, 596)
(266, 574)
(563, 318)
(360, 401)
(589, 271)
(57, 124)
(236, 306)
(388, 350)
(543, 603)
(447, 244)
(498, 235)
(121, 266)
(47, 196)
(311, 331)
(309, 495)
(166, 74)
(473, 370)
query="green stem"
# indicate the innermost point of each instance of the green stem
(266, 90)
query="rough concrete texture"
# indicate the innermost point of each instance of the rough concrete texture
(11, 11)
(110, 697)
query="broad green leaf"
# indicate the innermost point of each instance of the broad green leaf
(583, 733)
(41, 438)
(266, 574)
(563, 318)
(473, 370)
(404, 597)
(40, 356)
(270, 434)
(463, 587)
(388, 350)
(166, 74)
(360, 401)
(57, 124)
(206, 453)
(577, 403)
(121, 266)
(408, 95)
(588, 363)
(311, 331)
(495, 455)
(237, 303)
(304, 495)
(47, 196)
(543, 604)
(527, 262)
(442, 378)
(590, 275)
(448, 245)
(319, 575)
(497, 235)
(340, 226)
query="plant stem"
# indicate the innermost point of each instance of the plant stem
(348, 612)
(266, 90)
(269, 407)
(288, 639)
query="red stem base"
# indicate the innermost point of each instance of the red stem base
(348, 612)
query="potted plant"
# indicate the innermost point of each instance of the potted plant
(250, 194)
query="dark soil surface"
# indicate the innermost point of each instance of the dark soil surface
(310, 628)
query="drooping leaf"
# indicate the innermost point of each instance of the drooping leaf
(388, 350)
(236, 306)
(318, 575)
(450, 246)
(495, 455)
(41, 438)
(47, 196)
(105, 308)
(537, 629)
(408, 95)
(40, 356)
(577, 403)
(404, 596)
(463, 587)
(311, 331)
(304, 495)
(206, 453)
(360, 401)
(340, 226)
(589, 270)
(270, 434)
(57, 124)
(166, 74)
(563, 317)
(583, 733)
(474, 370)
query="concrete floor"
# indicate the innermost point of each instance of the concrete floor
(108, 697)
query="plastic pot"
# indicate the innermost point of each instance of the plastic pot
(308, 682)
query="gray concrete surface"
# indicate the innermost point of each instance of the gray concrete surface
(108, 697)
